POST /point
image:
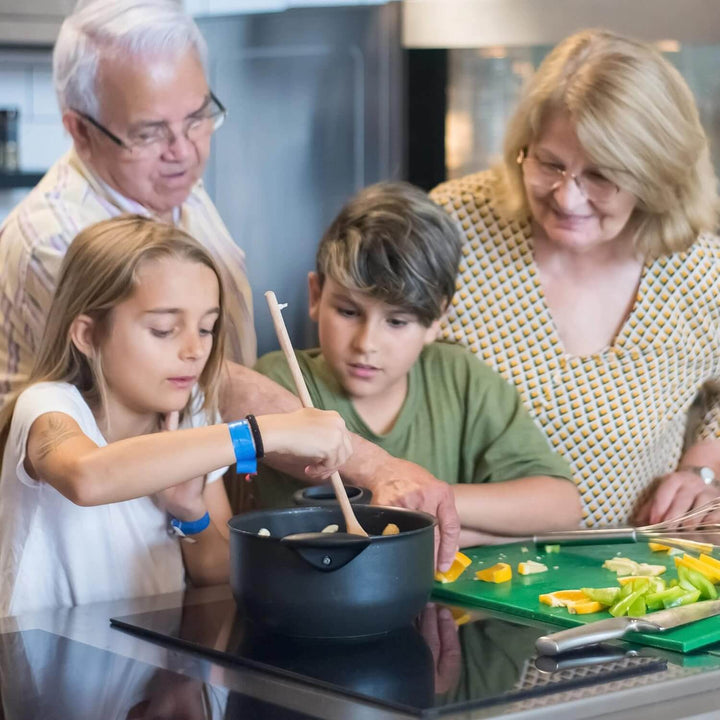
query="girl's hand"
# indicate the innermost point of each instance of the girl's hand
(184, 501)
(318, 437)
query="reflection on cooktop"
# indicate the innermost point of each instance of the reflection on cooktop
(47, 677)
(451, 660)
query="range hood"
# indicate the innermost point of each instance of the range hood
(487, 23)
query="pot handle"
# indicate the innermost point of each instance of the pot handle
(326, 551)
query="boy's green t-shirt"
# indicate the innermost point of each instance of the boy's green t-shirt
(460, 420)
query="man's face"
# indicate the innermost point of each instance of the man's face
(134, 97)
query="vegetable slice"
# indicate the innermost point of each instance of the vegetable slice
(530, 567)
(576, 601)
(498, 573)
(626, 566)
(457, 568)
(689, 561)
(605, 596)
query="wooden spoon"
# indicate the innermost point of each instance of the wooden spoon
(351, 523)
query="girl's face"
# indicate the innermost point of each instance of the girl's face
(565, 215)
(159, 339)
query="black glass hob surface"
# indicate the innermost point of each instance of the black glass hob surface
(451, 660)
(44, 676)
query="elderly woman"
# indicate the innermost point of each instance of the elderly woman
(590, 278)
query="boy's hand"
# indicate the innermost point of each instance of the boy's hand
(404, 484)
(184, 501)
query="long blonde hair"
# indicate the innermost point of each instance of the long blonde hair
(632, 111)
(99, 271)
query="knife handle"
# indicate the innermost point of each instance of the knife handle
(589, 634)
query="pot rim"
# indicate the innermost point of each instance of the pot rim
(314, 509)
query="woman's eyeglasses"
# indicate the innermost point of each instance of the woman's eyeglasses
(152, 139)
(548, 176)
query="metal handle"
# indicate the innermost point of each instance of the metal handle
(581, 658)
(587, 537)
(589, 634)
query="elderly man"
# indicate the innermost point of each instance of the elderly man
(131, 83)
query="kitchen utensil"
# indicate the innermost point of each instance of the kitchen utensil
(669, 532)
(569, 568)
(301, 582)
(352, 526)
(314, 495)
(617, 627)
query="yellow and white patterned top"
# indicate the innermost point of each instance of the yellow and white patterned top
(619, 416)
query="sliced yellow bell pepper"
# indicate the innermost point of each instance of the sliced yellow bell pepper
(576, 601)
(585, 608)
(560, 598)
(712, 562)
(457, 568)
(659, 547)
(701, 566)
(498, 573)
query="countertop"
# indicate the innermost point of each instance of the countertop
(684, 690)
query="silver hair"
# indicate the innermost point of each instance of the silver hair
(130, 28)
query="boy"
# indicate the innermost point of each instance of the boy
(386, 271)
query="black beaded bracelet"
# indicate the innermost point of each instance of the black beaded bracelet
(257, 437)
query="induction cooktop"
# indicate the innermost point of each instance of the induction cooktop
(44, 676)
(452, 659)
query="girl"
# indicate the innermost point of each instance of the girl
(132, 349)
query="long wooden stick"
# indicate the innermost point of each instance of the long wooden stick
(351, 523)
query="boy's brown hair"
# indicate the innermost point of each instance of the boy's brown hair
(394, 244)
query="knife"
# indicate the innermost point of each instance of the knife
(617, 627)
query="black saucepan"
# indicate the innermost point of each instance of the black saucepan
(300, 582)
(319, 495)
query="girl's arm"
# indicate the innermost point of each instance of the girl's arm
(207, 560)
(59, 453)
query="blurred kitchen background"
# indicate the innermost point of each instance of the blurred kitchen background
(325, 97)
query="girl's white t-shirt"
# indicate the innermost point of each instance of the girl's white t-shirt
(54, 553)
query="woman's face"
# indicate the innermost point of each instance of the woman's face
(565, 215)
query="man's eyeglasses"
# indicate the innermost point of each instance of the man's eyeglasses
(548, 176)
(154, 138)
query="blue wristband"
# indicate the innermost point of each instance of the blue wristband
(244, 447)
(182, 528)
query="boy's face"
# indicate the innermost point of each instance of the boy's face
(369, 346)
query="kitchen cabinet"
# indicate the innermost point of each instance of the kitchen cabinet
(32, 22)
(488, 23)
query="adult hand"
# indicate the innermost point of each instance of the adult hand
(318, 437)
(184, 501)
(676, 494)
(438, 627)
(404, 484)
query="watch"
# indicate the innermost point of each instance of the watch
(707, 474)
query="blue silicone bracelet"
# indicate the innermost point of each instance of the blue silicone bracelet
(243, 446)
(193, 527)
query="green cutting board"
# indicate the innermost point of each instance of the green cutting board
(570, 569)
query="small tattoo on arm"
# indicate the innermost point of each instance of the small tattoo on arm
(54, 435)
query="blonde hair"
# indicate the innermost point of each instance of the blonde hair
(99, 271)
(634, 114)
